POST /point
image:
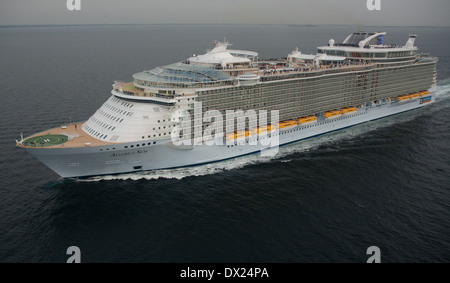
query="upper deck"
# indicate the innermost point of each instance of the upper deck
(371, 47)
(221, 67)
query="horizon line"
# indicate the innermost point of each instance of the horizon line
(142, 24)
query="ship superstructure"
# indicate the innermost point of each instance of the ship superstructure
(342, 85)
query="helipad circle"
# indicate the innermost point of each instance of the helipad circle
(46, 140)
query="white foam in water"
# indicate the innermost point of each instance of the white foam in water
(180, 173)
(442, 92)
(443, 89)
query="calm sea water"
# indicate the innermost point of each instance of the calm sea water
(384, 183)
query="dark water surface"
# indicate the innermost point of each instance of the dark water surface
(385, 183)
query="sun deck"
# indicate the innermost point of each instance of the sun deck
(71, 136)
(310, 68)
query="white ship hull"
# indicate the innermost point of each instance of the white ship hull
(104, 160)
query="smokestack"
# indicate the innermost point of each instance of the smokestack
(411, 40)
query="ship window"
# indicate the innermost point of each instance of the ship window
(126, 146)
(143, 144)
(137, 145)
(154, 142)
(131, 145)
(149, 143)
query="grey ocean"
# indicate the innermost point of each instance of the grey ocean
(384, 183)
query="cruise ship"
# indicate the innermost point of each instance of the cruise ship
(228, 103)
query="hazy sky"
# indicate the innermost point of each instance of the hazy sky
(354, 12)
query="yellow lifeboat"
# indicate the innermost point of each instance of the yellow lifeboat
(332, 114)
(307, 120)
(262, 129)
(348, 110)
(423, 93)
(414, 95)
(403, 98)
(238, 134)
(287, 123)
